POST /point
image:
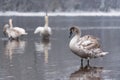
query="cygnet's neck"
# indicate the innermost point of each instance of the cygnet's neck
(74, 40)
(76, 37)
(77, 34)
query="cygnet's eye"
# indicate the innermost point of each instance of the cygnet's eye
(72, 29)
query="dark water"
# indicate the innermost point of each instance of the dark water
(34, 59)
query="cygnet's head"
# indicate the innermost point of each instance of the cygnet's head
(74, 29)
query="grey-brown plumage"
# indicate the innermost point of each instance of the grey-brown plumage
(86, 46)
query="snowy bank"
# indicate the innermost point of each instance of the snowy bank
(60, 13)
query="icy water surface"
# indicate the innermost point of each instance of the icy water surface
(30, 58)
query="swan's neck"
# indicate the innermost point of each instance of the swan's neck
(46, 21)
(10, 23)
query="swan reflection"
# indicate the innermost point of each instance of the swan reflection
(87, 73)
(14, 47)
(42, 47)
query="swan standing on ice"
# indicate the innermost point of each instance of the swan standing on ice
(13, 32)
(44, 31)
(86, 47)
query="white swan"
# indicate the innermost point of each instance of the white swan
(21, 30)
(13, 32)
(44, 31)
(85, 47)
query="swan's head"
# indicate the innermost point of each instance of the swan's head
(6, 26)
(75, 30)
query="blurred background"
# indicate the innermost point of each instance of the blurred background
(59, 5)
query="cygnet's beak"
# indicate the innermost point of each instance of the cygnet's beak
(70, 34)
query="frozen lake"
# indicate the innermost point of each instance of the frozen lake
(30, 58)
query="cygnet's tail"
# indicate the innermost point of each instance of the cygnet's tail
(102, 54)
(99, 53)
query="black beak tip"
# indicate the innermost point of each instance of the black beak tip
(70, 34)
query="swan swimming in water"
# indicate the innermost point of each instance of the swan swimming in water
(86, 47)
(44, 31)
(13, 32)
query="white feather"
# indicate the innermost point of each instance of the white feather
(21, 30)
(39, 30)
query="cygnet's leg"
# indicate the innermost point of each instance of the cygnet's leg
(88, 61)
(81, 61)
